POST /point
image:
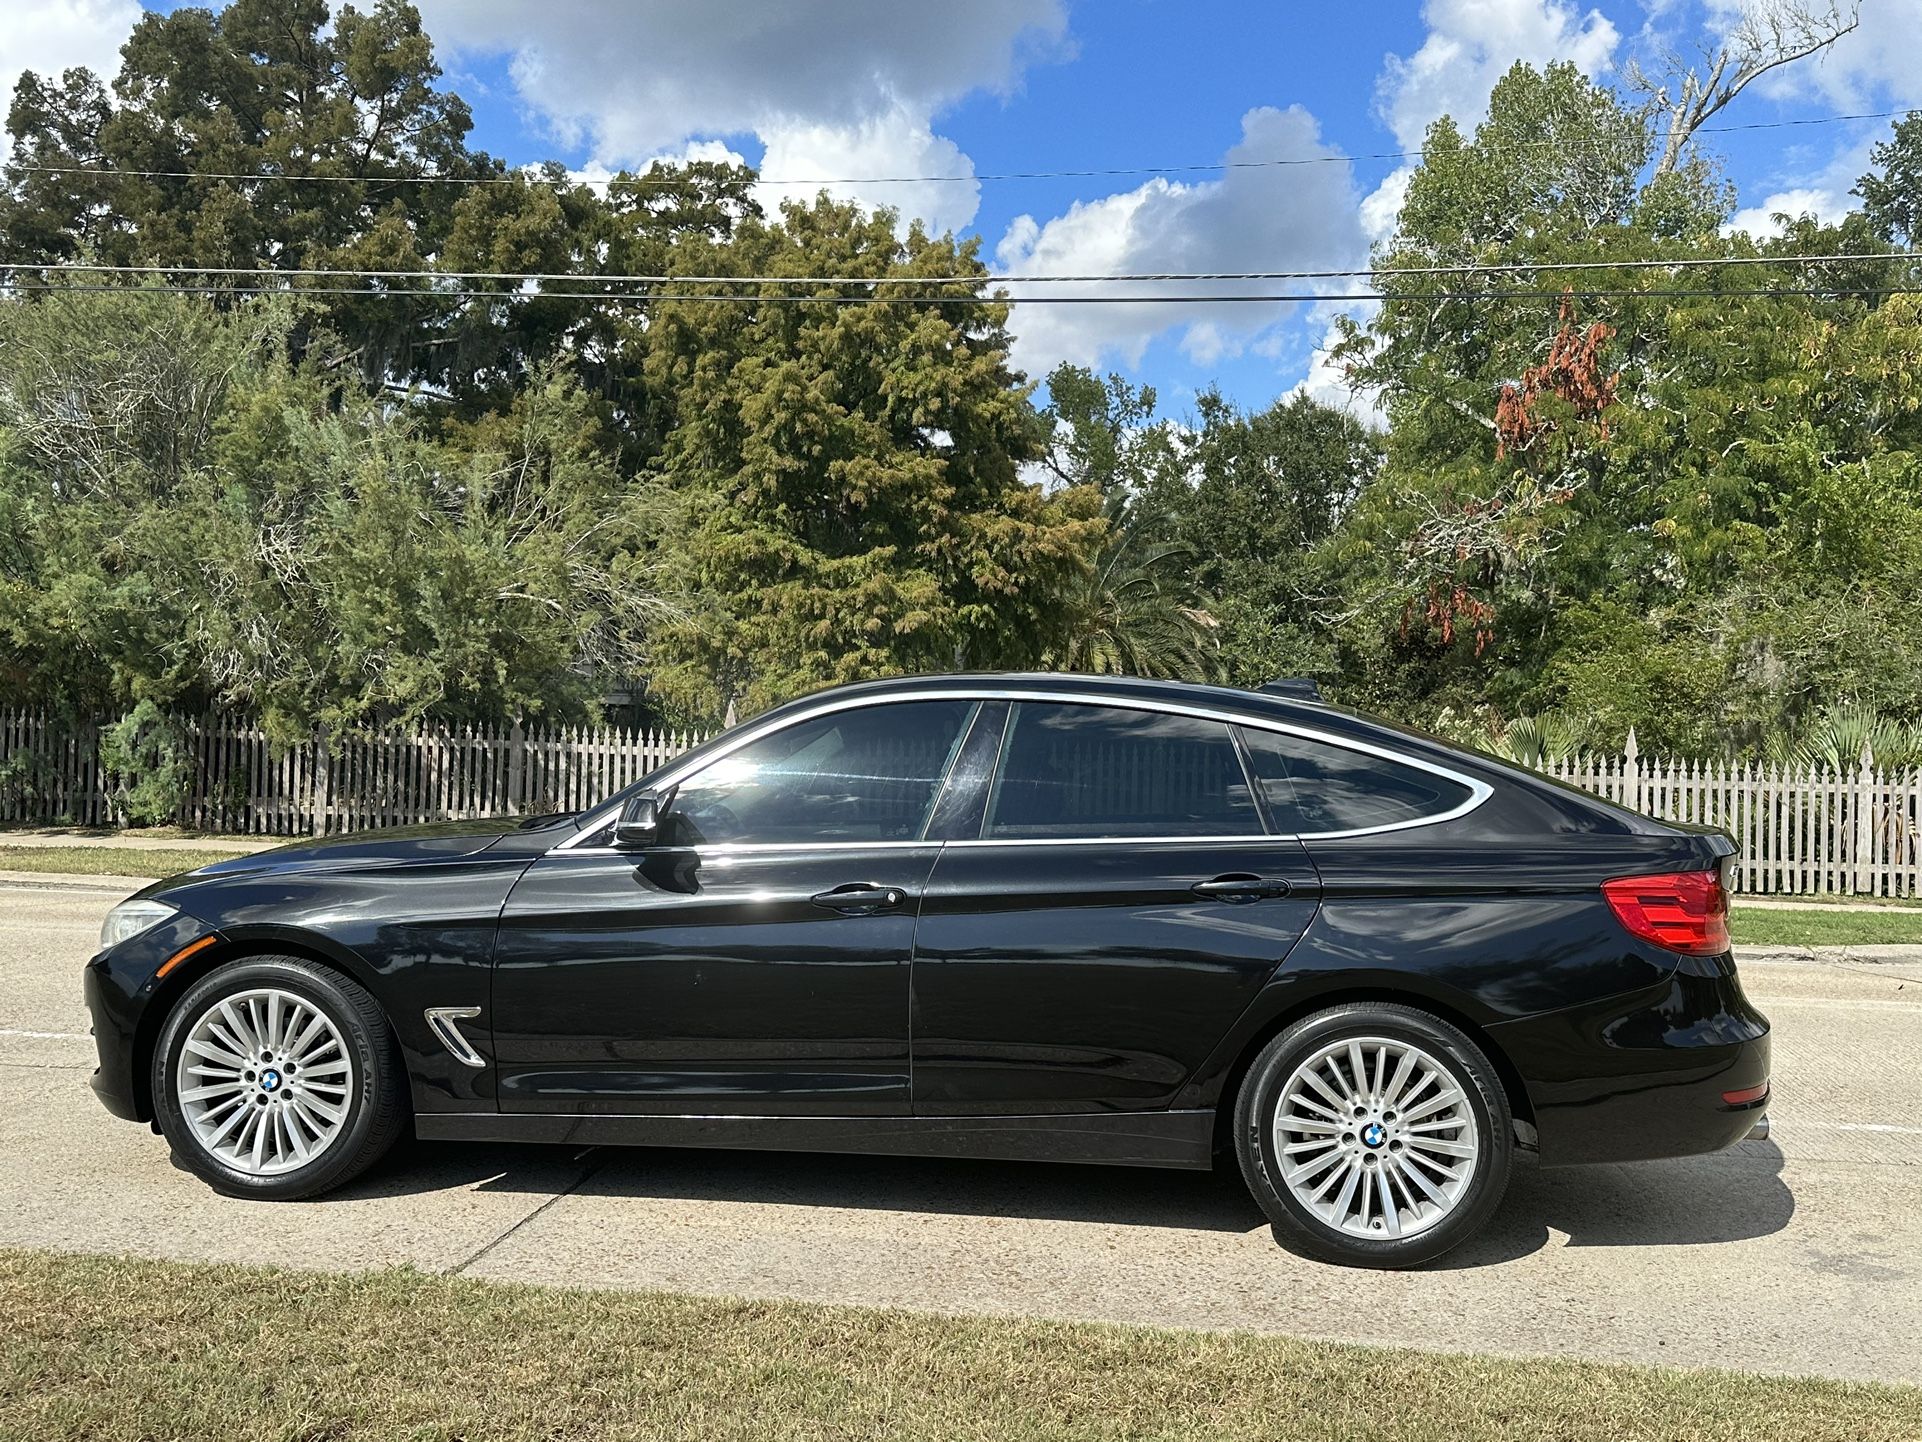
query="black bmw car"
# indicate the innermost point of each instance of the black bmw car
(1041, 917)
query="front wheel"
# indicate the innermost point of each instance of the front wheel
(1374, 1135)
(275, 1079)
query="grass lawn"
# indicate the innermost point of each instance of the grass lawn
(1858, 926)
(103, 1348)
(107, 860)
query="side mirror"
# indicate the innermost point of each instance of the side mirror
(640, 820)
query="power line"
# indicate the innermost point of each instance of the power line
(644, 182)
(1131, 278)
(1275, 298)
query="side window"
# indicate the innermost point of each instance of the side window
(1311, 786)
(1100, 771)
(868, 774)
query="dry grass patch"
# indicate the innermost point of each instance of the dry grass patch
(104, 1348)
(152, 861)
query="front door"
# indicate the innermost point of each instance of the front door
(1117, 909)
(755, 961)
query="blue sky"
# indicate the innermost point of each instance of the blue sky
(859, 88)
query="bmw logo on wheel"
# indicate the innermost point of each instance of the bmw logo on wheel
(1372, 1134)
(270, 1081)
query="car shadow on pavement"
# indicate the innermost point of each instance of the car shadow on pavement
(1130, 1196)
(1693, 1201)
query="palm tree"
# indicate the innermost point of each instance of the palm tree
(1137, 611)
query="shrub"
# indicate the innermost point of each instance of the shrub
(148, 765)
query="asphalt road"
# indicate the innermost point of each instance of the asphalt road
(1802, 1254)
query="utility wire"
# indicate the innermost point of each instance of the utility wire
(1133, 278)
(25, 287)
(643, 182)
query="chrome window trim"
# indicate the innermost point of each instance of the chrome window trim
(672, 773)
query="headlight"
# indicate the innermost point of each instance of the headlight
(130, 918)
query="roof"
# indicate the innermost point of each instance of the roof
(1267, 703)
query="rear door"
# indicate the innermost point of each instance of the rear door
(1098, 920)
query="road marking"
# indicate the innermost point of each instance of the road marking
(1862, 1127)
(46, 1035)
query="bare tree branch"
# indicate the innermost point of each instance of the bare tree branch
(1772, 33)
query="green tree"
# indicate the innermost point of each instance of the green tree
(1255, 500)
(265, 135)
(1892, 194)
(192, 516)
(1598, 503)
(856, 471)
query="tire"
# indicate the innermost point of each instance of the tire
(1444, 1168)
(314, 1130)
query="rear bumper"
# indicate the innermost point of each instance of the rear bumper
(1645, 1076)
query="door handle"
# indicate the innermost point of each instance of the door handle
(1241, 886)
(860, 898)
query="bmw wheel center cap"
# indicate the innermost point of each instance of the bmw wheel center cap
(1372, 1134)
(270, 1081)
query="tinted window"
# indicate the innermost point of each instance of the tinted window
(862, 775)
(1076, 771)
(1313, 786)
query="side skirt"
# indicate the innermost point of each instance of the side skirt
(1129, 1139)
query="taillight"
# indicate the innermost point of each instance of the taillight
(1685, 911)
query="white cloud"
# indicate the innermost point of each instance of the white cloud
(834, 90)
(54, 35)
(900, 143)
(1254, 218)
(1760, 220)
(1469, 46)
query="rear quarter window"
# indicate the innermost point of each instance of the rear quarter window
(1311, 786)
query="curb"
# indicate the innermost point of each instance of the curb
(1880, 954)
(104, 885)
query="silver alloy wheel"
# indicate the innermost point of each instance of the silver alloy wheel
(263, 1081)
(1376, 1138)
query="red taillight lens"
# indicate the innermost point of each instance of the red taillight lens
(1685, 911)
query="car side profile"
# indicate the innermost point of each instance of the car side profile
(1036, 917)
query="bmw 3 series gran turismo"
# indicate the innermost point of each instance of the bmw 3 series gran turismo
(1031, 917)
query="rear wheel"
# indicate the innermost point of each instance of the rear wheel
(275, 1078)
(1374, 1134)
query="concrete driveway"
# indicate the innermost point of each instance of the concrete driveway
(1802, 1254)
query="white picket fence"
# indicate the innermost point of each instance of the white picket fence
(1802, 830)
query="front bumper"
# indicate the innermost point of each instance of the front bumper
(1644, 1076)
(120, 989)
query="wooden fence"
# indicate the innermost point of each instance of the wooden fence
(241, 782)
(1802, 830)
